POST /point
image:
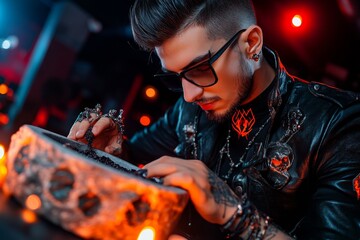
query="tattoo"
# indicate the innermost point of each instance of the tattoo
(221, 192)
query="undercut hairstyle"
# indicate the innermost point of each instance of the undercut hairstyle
(155, 21)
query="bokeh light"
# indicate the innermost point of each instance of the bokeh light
(148, 233)
(145, 120)
(33, 202)
(297, 20)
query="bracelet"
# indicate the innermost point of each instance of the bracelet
(257, 230)
(230, 222)
(246, 218)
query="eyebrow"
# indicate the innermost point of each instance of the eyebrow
(195, 61)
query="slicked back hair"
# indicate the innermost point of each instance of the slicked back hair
(155, 21)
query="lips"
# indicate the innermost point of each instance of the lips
(206, 106)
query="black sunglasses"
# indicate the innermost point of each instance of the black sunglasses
(202, 74)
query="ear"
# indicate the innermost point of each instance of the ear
(253, 38)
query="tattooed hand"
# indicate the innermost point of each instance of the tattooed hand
(211, 196)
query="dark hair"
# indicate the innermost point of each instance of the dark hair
(154, 21)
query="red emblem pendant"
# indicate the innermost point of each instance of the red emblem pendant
(243, 122)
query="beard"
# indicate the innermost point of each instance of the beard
(245, 80)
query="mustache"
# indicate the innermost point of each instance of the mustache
(206, 100)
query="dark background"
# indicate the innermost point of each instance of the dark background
(110, 69)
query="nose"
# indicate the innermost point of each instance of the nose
(191, 91)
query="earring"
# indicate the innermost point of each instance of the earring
(256, 57)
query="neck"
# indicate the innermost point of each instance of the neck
(263, 76)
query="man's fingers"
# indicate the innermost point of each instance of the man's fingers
(102, 124)
(78, 130)
(160, 169)
(73, 131)
(114, 149)
(83, 127)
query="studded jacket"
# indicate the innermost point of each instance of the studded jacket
(314, 193)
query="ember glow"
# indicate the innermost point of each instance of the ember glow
(148, 233)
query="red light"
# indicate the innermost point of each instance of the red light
(145, 120)
(296, 20)
(4, 119)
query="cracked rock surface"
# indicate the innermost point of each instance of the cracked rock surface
(84, 196)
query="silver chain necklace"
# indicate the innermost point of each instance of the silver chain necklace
(226, 150)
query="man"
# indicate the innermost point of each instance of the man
(262, 154)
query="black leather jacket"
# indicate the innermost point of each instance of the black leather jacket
(315, 127)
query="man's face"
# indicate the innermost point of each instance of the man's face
(234, 75)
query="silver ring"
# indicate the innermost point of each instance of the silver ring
(86, 114)
(118, 121)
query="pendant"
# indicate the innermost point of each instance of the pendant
(279, 160)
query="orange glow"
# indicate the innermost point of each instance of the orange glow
(33, 202)
(2, 151)
(150, 92)
(145, 120)
(148, 233)
(28, 216)
(4, 119)
(297, 20)
(3, 171)
(3, 88)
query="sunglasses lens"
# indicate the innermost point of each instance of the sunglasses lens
(202, 75)
(171, 81)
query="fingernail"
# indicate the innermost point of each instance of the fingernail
(79, 133)
(70, 135)
(142, 173)
(94, 130)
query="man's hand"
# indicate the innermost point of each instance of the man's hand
(211, 196)
(107, 135)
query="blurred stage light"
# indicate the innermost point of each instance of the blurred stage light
(9, 43)
(151, 92)
(4, 119)
(297, 20)
(28, 216)
(4, 89)
(148, 233)
(145, 120)
(2, 151)
(33, 202)
(5, 44)
(347, 8)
